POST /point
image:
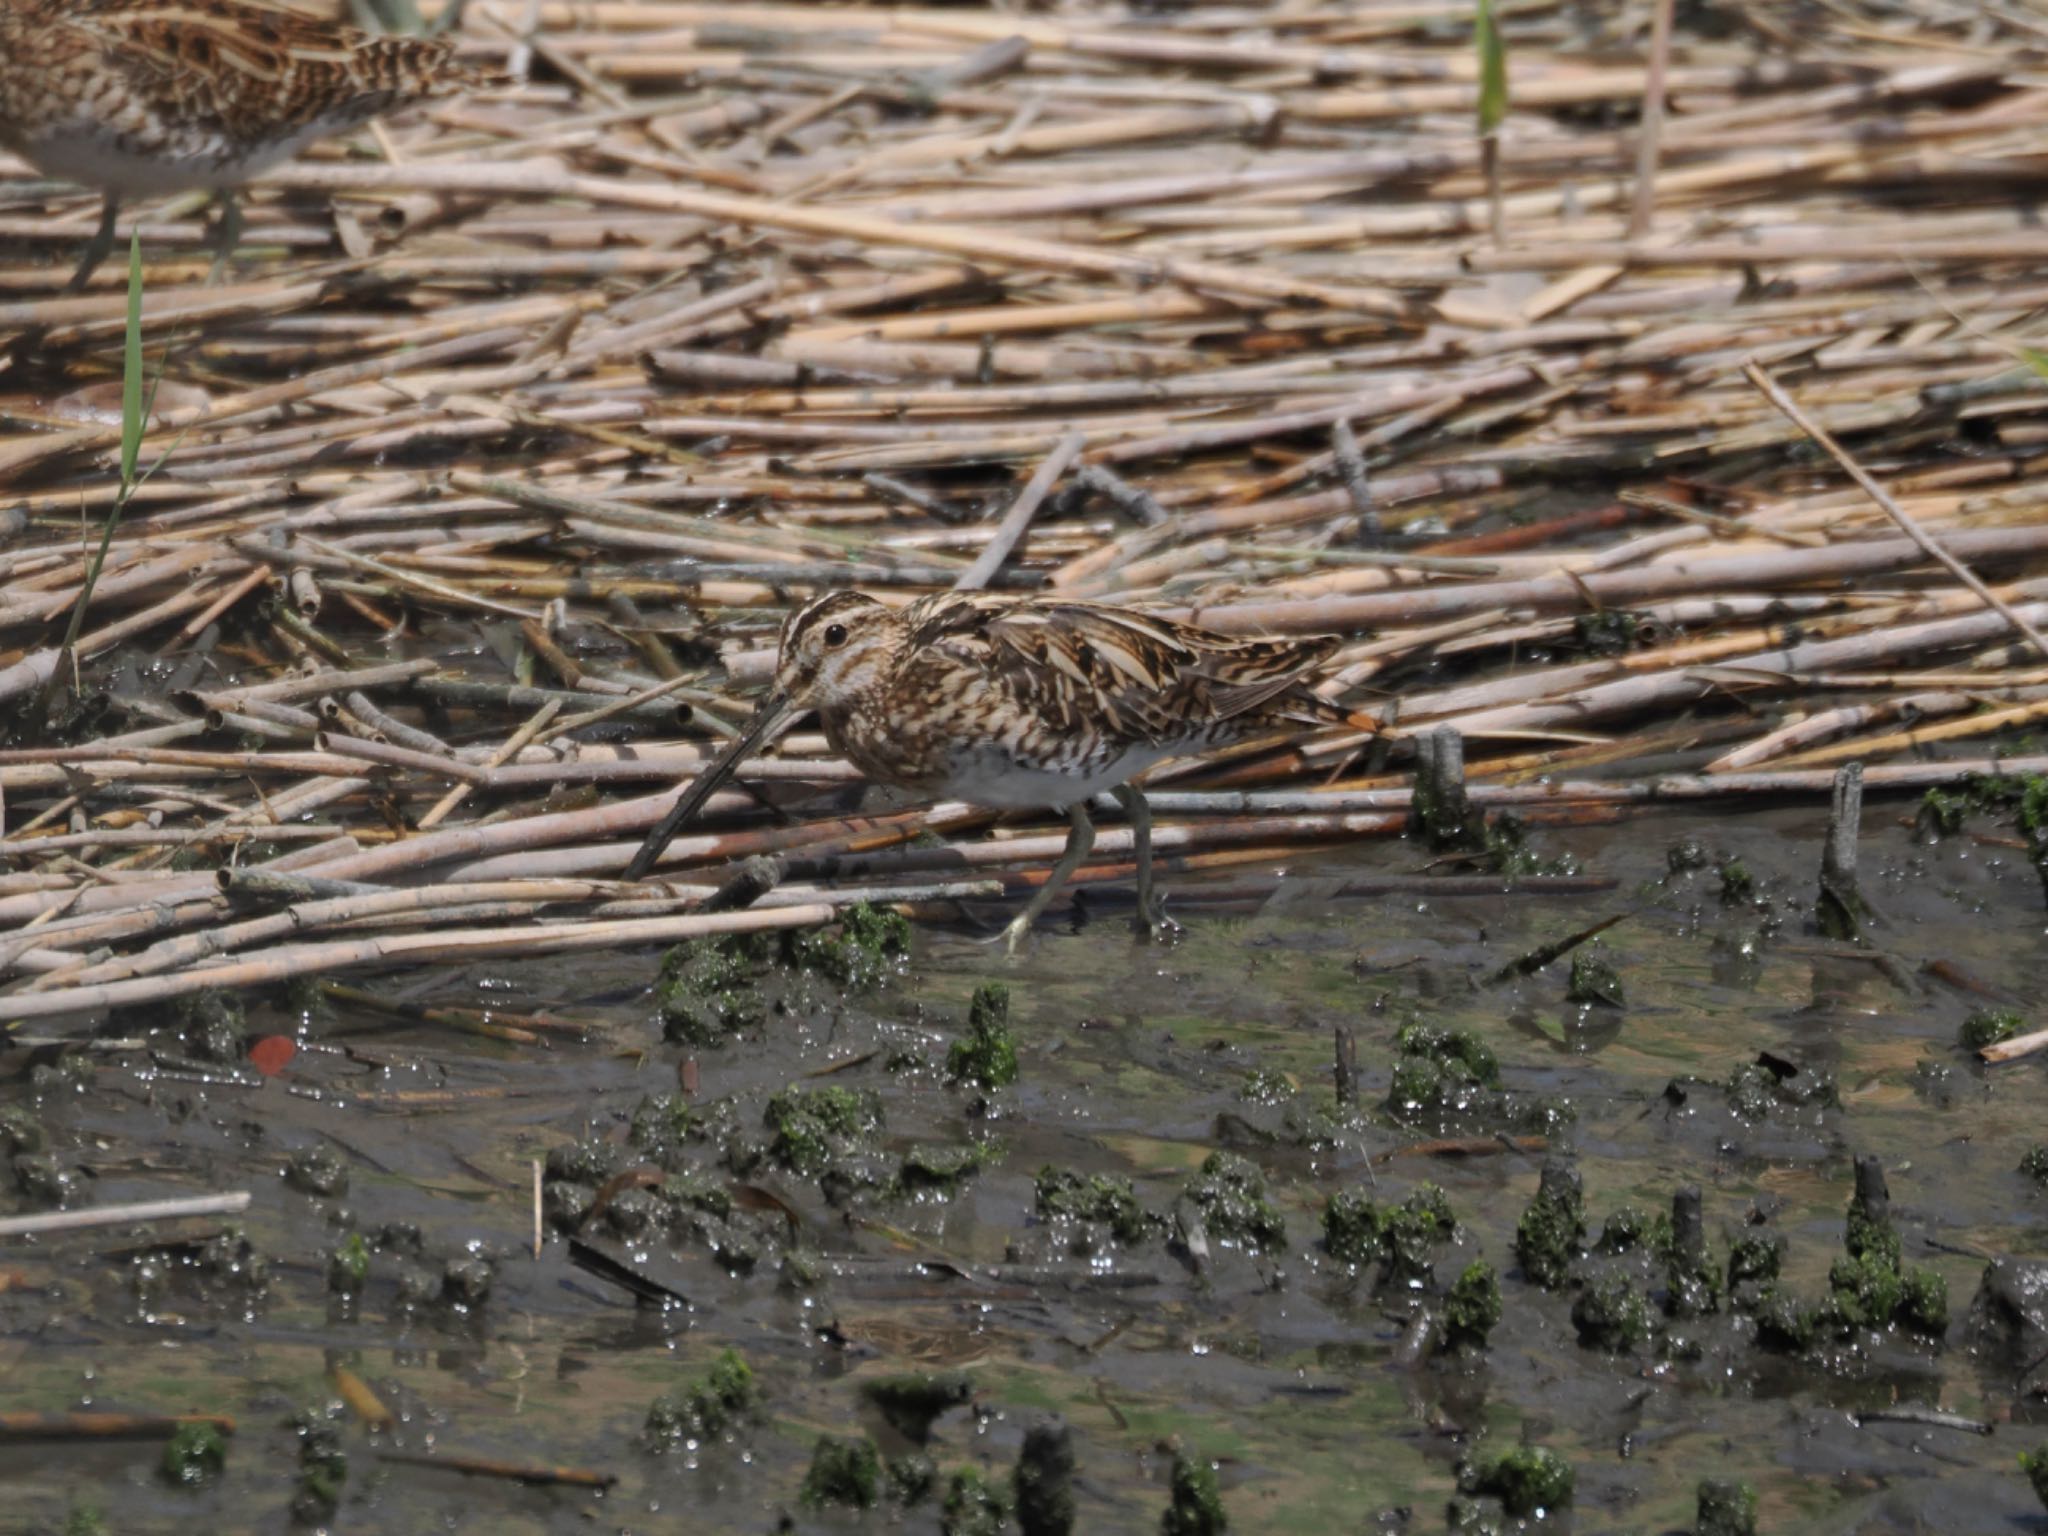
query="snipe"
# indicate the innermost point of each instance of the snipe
(142, 97)
(1020, 703)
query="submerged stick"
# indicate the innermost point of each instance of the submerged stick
(512, 1471)
(106, 1426)
(124, 1215)
(2014, 1048)
(1536, 959)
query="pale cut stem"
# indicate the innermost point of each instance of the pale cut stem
(125, 1215)
(1643, 206)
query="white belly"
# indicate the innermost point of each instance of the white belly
(99, 160)
(993, 778)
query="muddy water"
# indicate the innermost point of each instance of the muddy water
(1288, 1371)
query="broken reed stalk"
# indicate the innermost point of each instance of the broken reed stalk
(1020, 513)
(511, 1471)
(1643, 206)
(1841, 909)
(270, 967)
(138, 1213)
(106, 1426)
(1771, 391)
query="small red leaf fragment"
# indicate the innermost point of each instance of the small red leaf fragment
(272, 1054)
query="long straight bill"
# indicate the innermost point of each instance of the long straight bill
(773, 712)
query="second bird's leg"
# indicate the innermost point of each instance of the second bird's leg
(1079, 841)
(227, 234)
(98, 248)
(1152, 921)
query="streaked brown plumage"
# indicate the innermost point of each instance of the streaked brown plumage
(146, 96)
(1021, 702)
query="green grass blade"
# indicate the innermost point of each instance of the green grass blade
(132, 414)
(1493, 71)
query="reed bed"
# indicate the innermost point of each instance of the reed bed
(1688, 442)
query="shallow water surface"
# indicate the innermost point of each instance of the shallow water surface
(1291, 1373)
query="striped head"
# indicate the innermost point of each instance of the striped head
(836, 650)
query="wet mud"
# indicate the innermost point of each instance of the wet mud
(835, 1224)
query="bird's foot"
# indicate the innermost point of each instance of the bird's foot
(1154, 927)
(1010, 937)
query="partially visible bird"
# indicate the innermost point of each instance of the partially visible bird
(1008, 702)
(140, 97)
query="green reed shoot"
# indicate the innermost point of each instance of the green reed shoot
(1493, 109)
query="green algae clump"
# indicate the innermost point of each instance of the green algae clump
(348, 1266)
(707, 1407)
(710, 988)
(1632, 1228)
(813, 1126)
(1755, 1258)
(1441, 1073)
(845, 1472)
(1458, 1045)
(1737, 884)
(1594, 981)
(1231, 1193)
(939, 1171)
(974, 1506)
(1782, 1323)
(1360, 1231)
(2035, 1465)
(21, 1133)
(1061, 1194)
(1870, 1287)
(714, 987)
(1197, 1507)
(987, 1055)
(1043, 1483)
(1923, 1303)
(912, 1479)
(1726, 1508)
(1872, 1237)
(2035, 1164)
(1351, 1227)
(1528, 1480)
(211, 1025)
(195, 1454)
(865, 948)
(1988, 1026)
(1470, 1310)
(1611, 1315)
(1553, 1225)
(660, 1128)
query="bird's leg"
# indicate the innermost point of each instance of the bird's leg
(98, 248)
(227, 234)
(1152, 921)
(1079, 841)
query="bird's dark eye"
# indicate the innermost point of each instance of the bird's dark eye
(835, 634)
